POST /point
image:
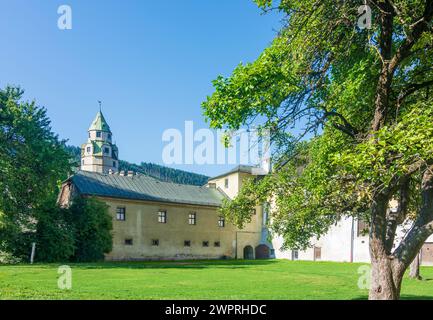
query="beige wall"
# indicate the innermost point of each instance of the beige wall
(235, 183)
(141, 225)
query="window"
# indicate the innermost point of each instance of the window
(362, 227)
(106, 150)
(128, 242)
(217, 244)
(114, 164)
(205, 243)
(155, 242)
(254, 212)
(192, 219)
(88, 150)
(295, 254)
(187, 243)
(109, 136)
(162, 216)
(226, 183)
(98, 134)
(121, 214)
(221, 222)
(82, 162)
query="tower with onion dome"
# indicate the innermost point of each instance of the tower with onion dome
(99, 154)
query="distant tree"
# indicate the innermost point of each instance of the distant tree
(164, 173)
(150, 169)
(32, 163)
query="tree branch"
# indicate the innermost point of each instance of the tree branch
(411, 89)
(418, 28)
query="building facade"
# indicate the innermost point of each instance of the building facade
(160, 220)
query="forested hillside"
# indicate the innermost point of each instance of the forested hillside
(154, 170)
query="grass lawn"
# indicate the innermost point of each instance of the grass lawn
(260, 279)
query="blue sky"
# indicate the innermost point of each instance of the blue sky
(150, 62)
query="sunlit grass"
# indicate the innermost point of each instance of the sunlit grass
(260, 279)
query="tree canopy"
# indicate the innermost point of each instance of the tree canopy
(364, 95)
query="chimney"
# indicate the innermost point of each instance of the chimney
(131, 173)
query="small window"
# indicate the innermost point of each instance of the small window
(187, 243)
(162, 216)
(88, 150)
(128, 242)
(217, 244)
(206, 244)
(155, 242)
(221, 222)
(254, 212)
(226, 183)
(114, 164)
(192, 218)
(82, 162)
(109, 136)
(121, 214)
(295, 254)
(106, 150)
(98, 134)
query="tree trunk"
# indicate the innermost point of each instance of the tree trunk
(385, 282)
(414, 268)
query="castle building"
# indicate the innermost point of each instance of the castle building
(160, 220)
(155, 220)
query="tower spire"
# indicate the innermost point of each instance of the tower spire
(99, 154)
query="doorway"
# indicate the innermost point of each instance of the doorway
(248, 253)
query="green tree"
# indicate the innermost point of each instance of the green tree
(365, 96)
(32, 162)
(92, 225)
(54, 233)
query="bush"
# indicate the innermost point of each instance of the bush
(92, 229)
(54, 234)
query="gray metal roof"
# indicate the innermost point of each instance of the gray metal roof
(253, 170)
(142, 187)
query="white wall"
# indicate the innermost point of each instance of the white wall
(336, 244)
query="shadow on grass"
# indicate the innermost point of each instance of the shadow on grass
(160, 264)
(403, 297)
(184, 264)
